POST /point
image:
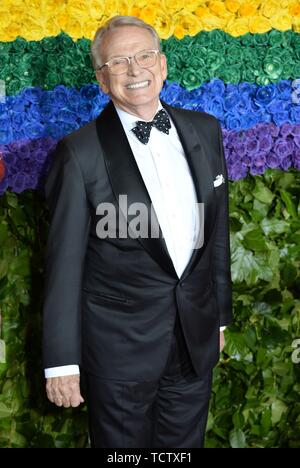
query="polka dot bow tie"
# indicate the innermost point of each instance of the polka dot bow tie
(161, 121)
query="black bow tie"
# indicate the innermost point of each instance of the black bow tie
(161, 121)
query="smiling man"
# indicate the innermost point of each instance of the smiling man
(140, 316)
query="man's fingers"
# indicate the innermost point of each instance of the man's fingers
(64, 391)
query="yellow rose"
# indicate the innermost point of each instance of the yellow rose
(174, 6)
(237, 27)
(190, 23)
(247, 10)
(52, 28)
(232, 5)
(281, 21)
(135, 11)
(295, 9)
(35, 30)
(5, 19)
(90, 28)
(179, 31)
(77, 9)
(296, 24)
(217, 8)
(75, 28)
(200, 12)
(164, 26)
(10, 32)
(253, 3)
(259, 24)
(210, 22)
(62, 21)
(190, 5)
(149, 14)
(269, 8)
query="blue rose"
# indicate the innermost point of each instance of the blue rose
(264, 95)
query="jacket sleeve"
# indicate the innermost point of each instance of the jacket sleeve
(65, 254)
(221, 252)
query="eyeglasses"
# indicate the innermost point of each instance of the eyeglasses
(119, 65)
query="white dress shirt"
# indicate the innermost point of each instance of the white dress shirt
(168, 180)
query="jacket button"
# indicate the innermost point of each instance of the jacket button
(182, 285)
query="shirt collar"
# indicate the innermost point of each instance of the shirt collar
(128, 120)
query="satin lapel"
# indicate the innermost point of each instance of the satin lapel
(198, 160)
(125, 178)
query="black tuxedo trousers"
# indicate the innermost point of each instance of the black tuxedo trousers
(170, 412)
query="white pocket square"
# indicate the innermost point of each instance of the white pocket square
(219, 180)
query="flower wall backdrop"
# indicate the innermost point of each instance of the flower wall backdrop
(238, 60)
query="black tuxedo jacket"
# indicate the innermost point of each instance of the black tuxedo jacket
(110, 304)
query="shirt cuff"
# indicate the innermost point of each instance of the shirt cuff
(61, 371)
(222, 328)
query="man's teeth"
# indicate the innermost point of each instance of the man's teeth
(142, 84)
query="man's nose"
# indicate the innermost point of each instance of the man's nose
(133, 67)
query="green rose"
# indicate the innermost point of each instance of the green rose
(296, 70)
(170, 44)
(216, 37)
(231, 74)
(50, 44)
(4, 60)
(65, 42)
(214, 61)
(202, 38)
(275, 38)
(173, 74)
(5, 47)
(234, 54)
(260, 39)
(287, 71)
(19, 45)
(14, 86)
(247, 40)
(36, 47)
(191, 79)
(69, 77)
(53, 78)
(287, 38)
(52, 60)
(195, 62)
(247, 75)
(273, 68)
(83, 45)
(263, 80)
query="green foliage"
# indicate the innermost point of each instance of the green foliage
(256, 386)
(255, 400)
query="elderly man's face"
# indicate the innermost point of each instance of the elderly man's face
(127, 41)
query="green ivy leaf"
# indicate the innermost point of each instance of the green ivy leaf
(262, 193)
(237, 439)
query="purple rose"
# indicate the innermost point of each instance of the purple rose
(273, 161)
(286, 163)
(282, 148)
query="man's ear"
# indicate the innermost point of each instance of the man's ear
(102, 82)
(163, 66)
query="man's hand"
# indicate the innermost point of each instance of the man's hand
(64, 391)
(222, 341)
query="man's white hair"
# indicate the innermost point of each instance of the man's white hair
(112, 24)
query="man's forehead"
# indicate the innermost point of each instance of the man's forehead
(136, 39)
